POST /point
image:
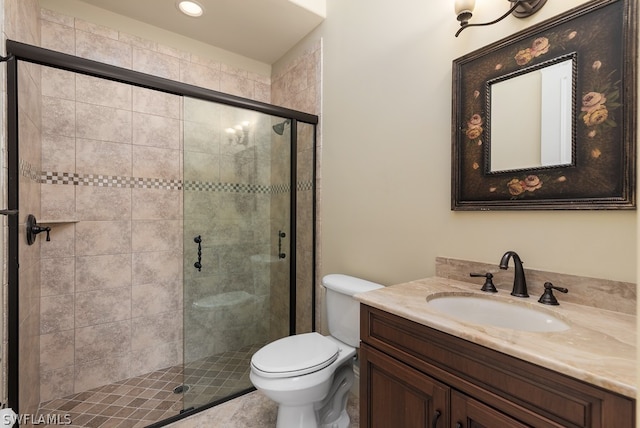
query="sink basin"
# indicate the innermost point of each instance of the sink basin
(488, 311)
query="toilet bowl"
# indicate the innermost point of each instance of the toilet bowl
(310, 375)
(303, 379)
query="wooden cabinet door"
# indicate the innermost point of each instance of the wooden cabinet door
(393, 394)
(469, 413)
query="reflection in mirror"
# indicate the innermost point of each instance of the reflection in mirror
(531, 118)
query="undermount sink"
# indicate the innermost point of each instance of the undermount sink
(488, 311)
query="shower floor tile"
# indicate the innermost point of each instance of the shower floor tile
(217, 376)
(143, 400)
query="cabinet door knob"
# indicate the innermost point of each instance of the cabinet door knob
(436, 417)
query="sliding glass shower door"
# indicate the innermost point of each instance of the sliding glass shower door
(237, 215)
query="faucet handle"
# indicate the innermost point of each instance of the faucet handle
(488, 283)
(547, 297)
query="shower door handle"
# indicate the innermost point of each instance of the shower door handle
(198, 264)
(9, 212)
(281, 235)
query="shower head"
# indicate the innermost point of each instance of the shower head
(278, 128)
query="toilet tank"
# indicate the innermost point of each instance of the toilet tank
(343, 311)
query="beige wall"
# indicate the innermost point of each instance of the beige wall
(386, 154)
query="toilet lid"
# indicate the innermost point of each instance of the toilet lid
(295, 355)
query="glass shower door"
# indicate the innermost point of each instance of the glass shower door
(237, 173)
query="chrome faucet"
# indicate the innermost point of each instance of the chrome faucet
(519, 282)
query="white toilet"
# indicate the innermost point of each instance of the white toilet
(310, 375)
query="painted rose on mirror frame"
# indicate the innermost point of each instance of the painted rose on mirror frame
(474, 127)
(518, 187)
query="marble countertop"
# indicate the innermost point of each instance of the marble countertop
(599, 347)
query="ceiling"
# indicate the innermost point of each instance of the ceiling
(263, 30)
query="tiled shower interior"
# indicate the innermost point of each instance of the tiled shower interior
(127, 178)
(143, 400)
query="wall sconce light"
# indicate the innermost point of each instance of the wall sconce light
(239, 134)
(519, 9)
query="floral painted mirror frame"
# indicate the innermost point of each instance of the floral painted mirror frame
(602, 36)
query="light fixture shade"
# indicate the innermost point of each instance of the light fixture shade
(190, 8)
(462, 6)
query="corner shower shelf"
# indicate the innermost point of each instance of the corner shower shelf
(58, 221)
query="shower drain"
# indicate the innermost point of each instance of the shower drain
(180, 389)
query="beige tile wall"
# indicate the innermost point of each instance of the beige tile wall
(29, 255)
(304, 239)
(606, 294)
(78, 37)
(298, 85)
(111, 303)
(123, 314)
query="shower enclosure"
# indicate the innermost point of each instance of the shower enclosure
(171, 237)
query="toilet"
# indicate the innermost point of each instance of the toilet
(309, 375)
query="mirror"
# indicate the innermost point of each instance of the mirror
(544, 137)
(546, 118)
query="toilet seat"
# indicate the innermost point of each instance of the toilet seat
(295, 356)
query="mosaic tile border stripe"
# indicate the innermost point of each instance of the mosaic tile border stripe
(108, 181)
(304, 186)
(28, 171)
(208, 186)
(68, 178)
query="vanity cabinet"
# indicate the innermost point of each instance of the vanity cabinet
(416, 376)
(399, 395)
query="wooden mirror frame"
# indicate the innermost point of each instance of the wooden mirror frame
(602, 34)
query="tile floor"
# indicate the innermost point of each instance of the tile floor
(252, 410)
(135, 402)
(143, 400)
(218, 376)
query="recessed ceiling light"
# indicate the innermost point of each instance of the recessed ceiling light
(190, 8)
